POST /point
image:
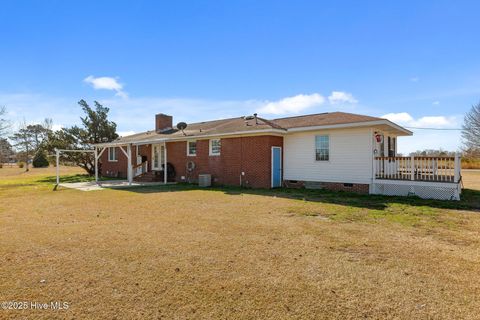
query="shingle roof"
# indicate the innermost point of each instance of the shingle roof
(223, 126)
(240, 124)
(322, 119)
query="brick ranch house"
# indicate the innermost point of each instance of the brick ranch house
(338, 151)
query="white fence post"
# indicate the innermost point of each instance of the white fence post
(412, 168)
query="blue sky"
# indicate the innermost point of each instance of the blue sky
(415, 62)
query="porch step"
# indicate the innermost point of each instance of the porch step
(148, 177)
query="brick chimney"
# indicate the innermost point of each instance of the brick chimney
(163, 122)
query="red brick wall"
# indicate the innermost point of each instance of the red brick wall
(119, 168)
(114, 169)
(251, 155)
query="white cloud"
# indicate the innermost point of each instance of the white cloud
(400, 118)
(125, 133)
(106, 83)
(337, 97)
(293, 104)
(427, 139)
(414, 79)
(405, 119)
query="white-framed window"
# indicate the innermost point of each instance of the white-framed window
(214, 147)
(112, 154)
(322, 148)
(191, 148)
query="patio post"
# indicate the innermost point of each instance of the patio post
(57, 154)
(96, 164)
(165, 172)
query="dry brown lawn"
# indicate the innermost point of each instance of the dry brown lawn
(184, 253)
(471, 179)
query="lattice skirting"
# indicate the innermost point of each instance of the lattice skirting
(425, 190)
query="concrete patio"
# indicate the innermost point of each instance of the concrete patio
(93, 186)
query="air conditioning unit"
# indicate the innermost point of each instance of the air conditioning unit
(204, 180)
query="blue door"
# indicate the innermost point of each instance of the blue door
(276, 167)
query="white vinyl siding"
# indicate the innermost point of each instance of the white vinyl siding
(350, 156)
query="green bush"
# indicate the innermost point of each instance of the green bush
(21, 165)
(40, 160)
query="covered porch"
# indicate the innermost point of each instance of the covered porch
(426, 177)
(143, 161)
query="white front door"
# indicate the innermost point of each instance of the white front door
(158, 156)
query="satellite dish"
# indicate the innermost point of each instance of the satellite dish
(181, 126)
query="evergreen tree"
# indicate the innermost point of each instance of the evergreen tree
(96, 128)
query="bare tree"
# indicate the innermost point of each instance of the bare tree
(4, 124)
(40, 133)
(471, 130)
(24, 141)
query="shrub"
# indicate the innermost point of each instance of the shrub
(1, 165)
(21, 165)
(40, 160)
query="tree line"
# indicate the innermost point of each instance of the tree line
(34, 142)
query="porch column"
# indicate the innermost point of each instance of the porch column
(95, 154)
(165, 164)
(129, 166)
(412, 168)
(457, 167)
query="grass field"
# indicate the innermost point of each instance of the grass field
(178, 252)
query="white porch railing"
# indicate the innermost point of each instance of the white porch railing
(433, 169)
(140, 169)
